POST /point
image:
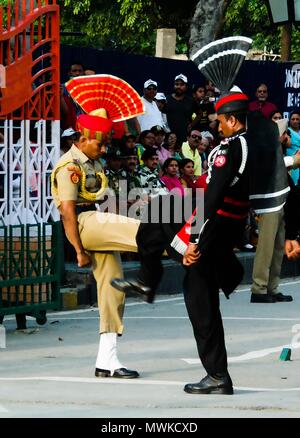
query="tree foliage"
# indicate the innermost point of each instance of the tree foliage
(250, 18)
(125, 24)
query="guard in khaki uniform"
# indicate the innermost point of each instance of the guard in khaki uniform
(78, 185)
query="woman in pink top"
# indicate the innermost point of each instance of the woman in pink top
(170, 178)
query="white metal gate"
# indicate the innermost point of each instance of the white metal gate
(28, 152)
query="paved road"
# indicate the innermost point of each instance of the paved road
(49, 373)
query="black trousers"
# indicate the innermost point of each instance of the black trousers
(201, 294)
(217, 268)
(154, 237)
(152, 240)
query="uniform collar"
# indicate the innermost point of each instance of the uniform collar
(77, 154)
(236, 135)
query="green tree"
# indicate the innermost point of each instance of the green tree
(250, 18)
(125, 24)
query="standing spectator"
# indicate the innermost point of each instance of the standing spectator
(152, 115)
(262, 104)
(180, 108)
(161, 100)
(69, 109)
(294, 132)
(205, 108)
(89, 72)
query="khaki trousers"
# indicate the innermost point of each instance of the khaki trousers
(269, 253)
(104, 235)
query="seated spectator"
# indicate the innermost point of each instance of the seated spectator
(159, 135)
(203, 147)
(190, 150)
(113, 169)
(67, 139)
(128, 142)
(149, 174)
(188, 178)
(146, 140)
(129, 167)
(170, 176)
(171, 145)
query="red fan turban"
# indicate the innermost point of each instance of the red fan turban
(93, 127)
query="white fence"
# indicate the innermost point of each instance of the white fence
(28, 152)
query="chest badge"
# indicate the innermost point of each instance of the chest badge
(220, 161)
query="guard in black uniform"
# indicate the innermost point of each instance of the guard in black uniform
(210, 260)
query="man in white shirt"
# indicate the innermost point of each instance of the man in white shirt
(152, 115)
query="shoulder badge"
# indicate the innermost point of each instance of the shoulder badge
(75, 178)
(75, 175)
(220, 161)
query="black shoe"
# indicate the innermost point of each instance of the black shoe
(248, 248)
(120, 373)
(211, 385)
(280, 297)
(262, 298)
(135, 286)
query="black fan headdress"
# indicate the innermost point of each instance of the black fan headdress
(220, 61)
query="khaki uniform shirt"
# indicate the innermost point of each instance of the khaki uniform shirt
(66, 189)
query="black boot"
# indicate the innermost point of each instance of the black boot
(217, 384)
(135, 286)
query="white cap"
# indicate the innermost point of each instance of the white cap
(68, 132)
(207, 134)
(150, 82)
(182, 78)
(160, 96)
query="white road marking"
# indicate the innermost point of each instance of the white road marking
(251, 354)
(95, 380)
(178, 317)
(3, 410)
